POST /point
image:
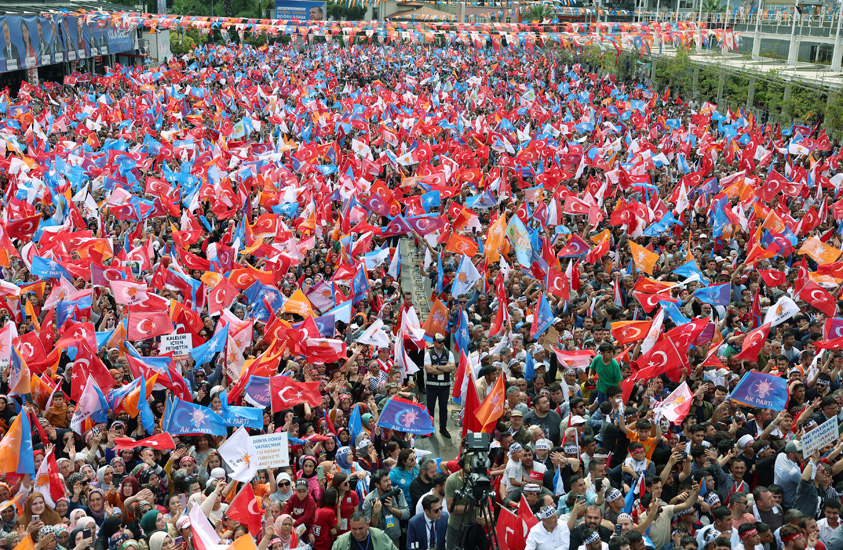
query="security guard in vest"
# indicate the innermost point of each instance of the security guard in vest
(439, 364)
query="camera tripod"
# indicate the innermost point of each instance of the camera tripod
(486, 509)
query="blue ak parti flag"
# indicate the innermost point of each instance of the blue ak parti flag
(530, 368)
(355, 422)
(257, 392)
(202, 354)
(405, 416)
(248, 417)
(543, 318)
(181, 418)
(765, 391)
(690, 269)
(715, 295)
(48, 269)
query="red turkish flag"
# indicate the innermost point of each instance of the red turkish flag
(244, 508)
(557, 283)
(512, 529)
(24, 228)
(31, 349)
(650, 301)
(771, 187)
(817, 296)
(148, 324)
(663, 356)
(94, 366)
(221, 296)
(630, 331)
(162, 441)
(72, 333)
(774, 277)
(753, 342)
(286, 393)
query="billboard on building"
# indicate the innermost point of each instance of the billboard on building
(27, 42)
(301, 10)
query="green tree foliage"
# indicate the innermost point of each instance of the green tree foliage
(675, 72)
(341, 12)
(713, 6)
(190, 39)
(539, 12)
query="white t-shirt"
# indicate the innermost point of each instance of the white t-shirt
(420, 509)
(514, 470)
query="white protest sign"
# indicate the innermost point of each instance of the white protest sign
(273, 450)
(179, 344)
(819, 437)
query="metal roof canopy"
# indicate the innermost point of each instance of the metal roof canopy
(36, 7)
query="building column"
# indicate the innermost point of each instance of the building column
(750, 93)
(695, 81)
(756, 47)
(793, 52)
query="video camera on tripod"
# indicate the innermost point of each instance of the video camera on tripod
(477, 485)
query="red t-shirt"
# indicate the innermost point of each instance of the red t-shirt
(326, 519)
(350, 503)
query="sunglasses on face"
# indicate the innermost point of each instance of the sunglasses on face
(284, 484)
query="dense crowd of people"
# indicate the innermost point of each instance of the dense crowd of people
(219, 244)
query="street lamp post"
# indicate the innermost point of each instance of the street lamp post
(835, 55)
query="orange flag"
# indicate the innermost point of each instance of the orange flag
(758, 253)
(10, 445)
(244, 542)
(25, 544)
(461, 245)
(492, 407)
(130, 404)
(298, 304)
(494, 239)
(437, 319)
(819, 251)
(643, 258)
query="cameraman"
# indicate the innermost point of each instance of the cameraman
(385, 507)
(458, 504)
